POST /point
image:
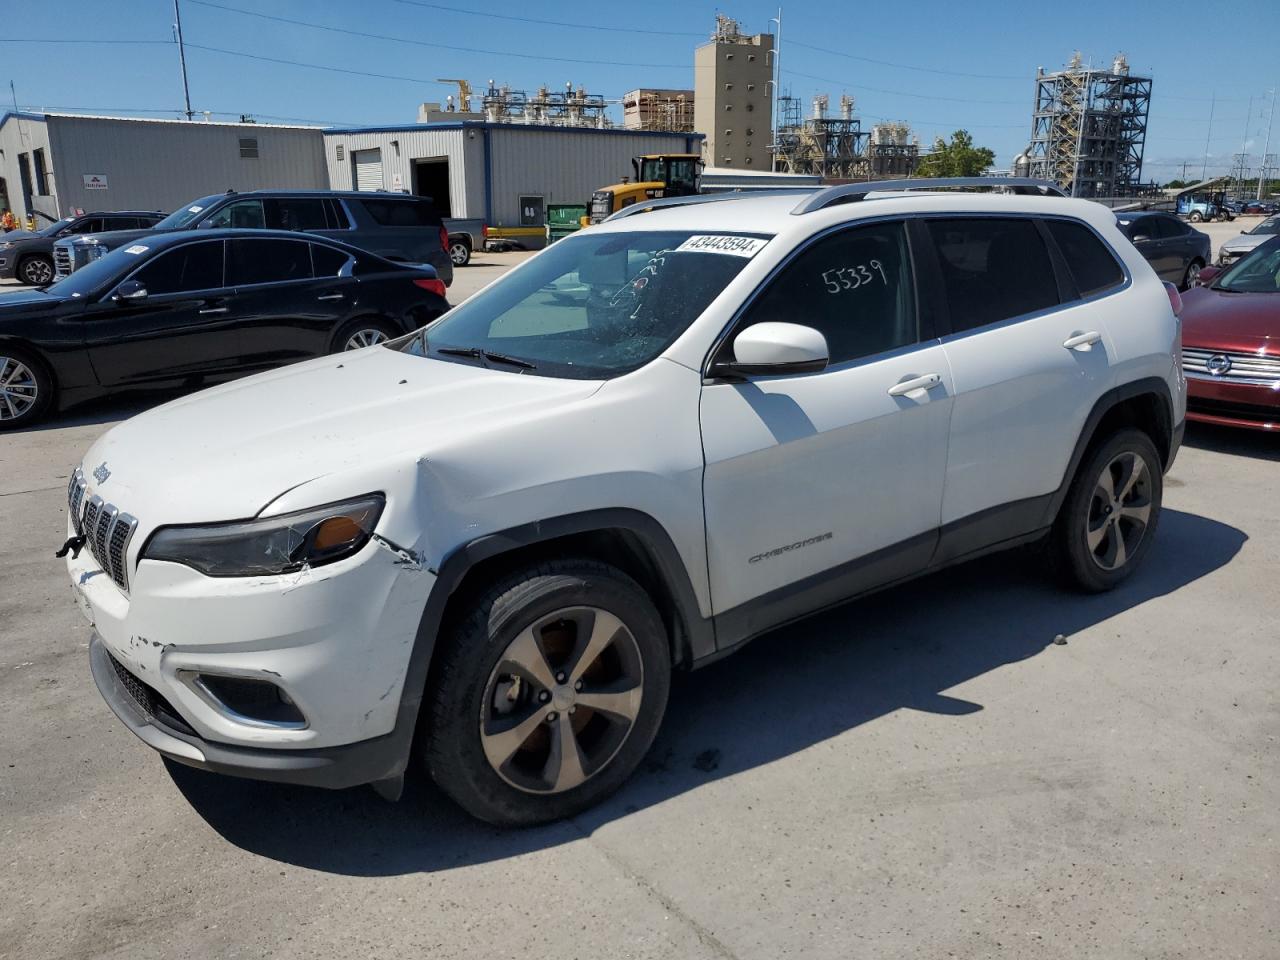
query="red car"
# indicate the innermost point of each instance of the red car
(1231, 342)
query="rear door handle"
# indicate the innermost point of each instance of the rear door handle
(1082, 341)
(208, 310)
(927, 382)
(330, 296)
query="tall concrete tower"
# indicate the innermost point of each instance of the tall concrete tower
(733, 97)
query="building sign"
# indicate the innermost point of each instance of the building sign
(397, 183)
(95, 181)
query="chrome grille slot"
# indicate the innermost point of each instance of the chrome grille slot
(1245, 367)
(75, 500)
(106, 530)
(61, 261)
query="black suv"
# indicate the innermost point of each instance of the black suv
(28, 256)
(392, 225)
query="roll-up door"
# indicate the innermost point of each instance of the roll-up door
(368, 164)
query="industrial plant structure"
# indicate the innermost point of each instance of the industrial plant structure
(1089, 129)
(837, 148)
(650, 109)
(733, 96)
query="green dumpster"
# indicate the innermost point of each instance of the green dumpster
(564, 219)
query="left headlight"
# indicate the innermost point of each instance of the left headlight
(95, 250)
(253, 548)
(6, 245)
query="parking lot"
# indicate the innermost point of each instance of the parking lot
(923, 773)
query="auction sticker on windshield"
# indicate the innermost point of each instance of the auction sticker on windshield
(720, 243)
(136, 249)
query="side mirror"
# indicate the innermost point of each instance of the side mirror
(775, 349)
(1207, 275)
(131, 290)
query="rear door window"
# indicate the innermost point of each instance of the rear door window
(992, 269)
(1091, 263)
(252, 261)
(328, 261)
(336, 215)
(297, 213)
(401, 213)
(193, 266)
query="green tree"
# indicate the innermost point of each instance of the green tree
(959, 158)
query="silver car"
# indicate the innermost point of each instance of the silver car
(1237, 247)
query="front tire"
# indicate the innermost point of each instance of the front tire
(36, 271)
(1192, 277)
(459, 252)
(1109, 518)
(1195, 216)
(548, 695)
(26, 390)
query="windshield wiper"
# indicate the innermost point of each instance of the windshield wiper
(479, 354)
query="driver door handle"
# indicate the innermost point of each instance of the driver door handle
(208, 310)
(927, 382)
(330, 296)
(1082, 341)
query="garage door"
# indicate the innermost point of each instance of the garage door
(368, 169)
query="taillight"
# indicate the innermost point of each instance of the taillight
(1175, 298)
(430, 283)
(444, 239)
(484, 230)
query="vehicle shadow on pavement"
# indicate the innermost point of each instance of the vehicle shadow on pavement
(1259, 444)
(783, 693)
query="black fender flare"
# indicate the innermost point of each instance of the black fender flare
(698, 632)
(1155, 386)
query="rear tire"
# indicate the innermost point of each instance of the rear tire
(26, 389)
(36, 271)
(1109, 518)
(567, 637)
(362, 332)
(459, 252)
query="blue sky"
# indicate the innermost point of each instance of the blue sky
(940, 64)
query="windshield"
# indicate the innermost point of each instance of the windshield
(1259, 272)
(1269, 225)
(186, 214)
(95, 275)
(54, 227)
(592, 306)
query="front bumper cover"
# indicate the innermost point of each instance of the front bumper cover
(348, 765)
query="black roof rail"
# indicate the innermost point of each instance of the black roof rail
(854, 192)
(646, 205)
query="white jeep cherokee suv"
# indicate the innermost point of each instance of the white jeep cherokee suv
(486, 546)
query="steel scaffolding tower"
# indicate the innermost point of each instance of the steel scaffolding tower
(833, 147)
(1089, 129)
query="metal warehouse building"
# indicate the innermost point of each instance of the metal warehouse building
(505, 173)
(52, 164)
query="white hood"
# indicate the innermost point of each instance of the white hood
(225, 453)
(1246, 241)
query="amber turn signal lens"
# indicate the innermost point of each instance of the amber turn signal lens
(335, 532)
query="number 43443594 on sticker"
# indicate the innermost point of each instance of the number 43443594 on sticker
(839, 279)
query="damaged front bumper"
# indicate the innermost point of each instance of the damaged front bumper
(156, 725)
(330, 646)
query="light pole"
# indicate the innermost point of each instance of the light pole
(1271, 115)
(182, 57)
(777, 79)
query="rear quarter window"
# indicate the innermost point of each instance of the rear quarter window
(992, 269)
(1092, 264)
(401, 213)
